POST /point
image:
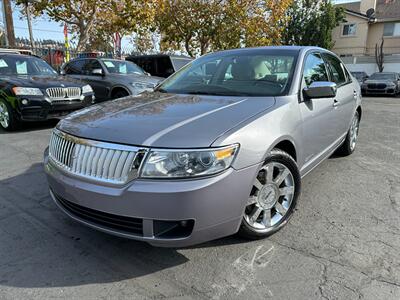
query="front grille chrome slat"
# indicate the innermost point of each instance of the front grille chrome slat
(97, 161)
(59, 94)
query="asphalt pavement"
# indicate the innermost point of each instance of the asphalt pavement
(342, 242)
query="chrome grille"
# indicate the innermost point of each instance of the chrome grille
(61, 93)
(98, 161)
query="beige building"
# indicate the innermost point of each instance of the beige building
(367, 22)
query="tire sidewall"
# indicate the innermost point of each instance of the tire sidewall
(285, 159)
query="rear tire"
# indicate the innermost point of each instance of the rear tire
(350, 142)
(273, 196)
(8, 120)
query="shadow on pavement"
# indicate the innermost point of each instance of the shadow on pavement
(41, 247)
(32, 126)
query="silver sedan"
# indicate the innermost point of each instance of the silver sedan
(219, 147)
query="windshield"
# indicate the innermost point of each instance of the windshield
(122, 67)
(358, 75)
(382, 76)
(258, 73)
(24, 65)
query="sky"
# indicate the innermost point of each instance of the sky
(43, 29)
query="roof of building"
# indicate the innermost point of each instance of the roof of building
(385, 9)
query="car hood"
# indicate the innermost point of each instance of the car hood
(41, 81)
(136, 77)
(379, 81)
(164, 120)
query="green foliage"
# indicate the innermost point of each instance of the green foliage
(310, 23)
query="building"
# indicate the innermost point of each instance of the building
(367, 22)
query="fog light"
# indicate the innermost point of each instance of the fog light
(24, 102)
(82, 97)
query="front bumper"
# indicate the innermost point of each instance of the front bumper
(38, 108)
(211, 207)
(385, 91)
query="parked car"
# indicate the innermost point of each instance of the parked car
(162, 65)
(207, 155)
(110, 78)
(360, 76)
(382, 83)
(31, 90)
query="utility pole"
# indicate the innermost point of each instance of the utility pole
(9, 23)
(28, 17)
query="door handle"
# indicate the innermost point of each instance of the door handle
(335, 103)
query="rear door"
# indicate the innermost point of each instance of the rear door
(346, 96)
(319, 134)
(98, 82)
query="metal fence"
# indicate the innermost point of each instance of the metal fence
(56, 54)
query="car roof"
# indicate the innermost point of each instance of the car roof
(14, 54)
(161, 55)
(390, 73)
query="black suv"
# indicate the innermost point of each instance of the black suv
(110, 78)
(31, 90)
(162, 65)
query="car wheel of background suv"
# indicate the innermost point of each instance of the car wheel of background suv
(8, 121)
(273, 196)
(119, 93)
(350, 142)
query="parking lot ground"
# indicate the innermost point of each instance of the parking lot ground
(342, 243)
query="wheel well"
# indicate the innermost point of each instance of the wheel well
(117, 89)
(359, 111)
(288, 147)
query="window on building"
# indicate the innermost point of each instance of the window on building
(391, 29)
(349, 29)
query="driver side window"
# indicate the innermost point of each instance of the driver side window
(314, 69)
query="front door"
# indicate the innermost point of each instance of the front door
(319, 134)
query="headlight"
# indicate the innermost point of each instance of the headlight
(25, 91)
(86, 89)
(190, 163)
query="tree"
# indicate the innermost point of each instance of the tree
(94, 21)
(379, 55)
(310, 23)
(200, 26)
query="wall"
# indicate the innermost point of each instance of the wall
(391, 44)
(356, 44)
(368, 64)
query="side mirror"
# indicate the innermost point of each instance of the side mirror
(320, 89)
(97, 72)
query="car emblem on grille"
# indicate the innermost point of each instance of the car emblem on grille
(62, 85)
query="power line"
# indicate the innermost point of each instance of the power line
(38, 29)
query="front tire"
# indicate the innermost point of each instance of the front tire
(349, 144)
(273, 196)
(8, 120)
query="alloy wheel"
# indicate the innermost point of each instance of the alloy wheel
(354, 131)
(4, 115)
(271, 196)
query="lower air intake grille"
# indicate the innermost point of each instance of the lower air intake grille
(102, 219)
